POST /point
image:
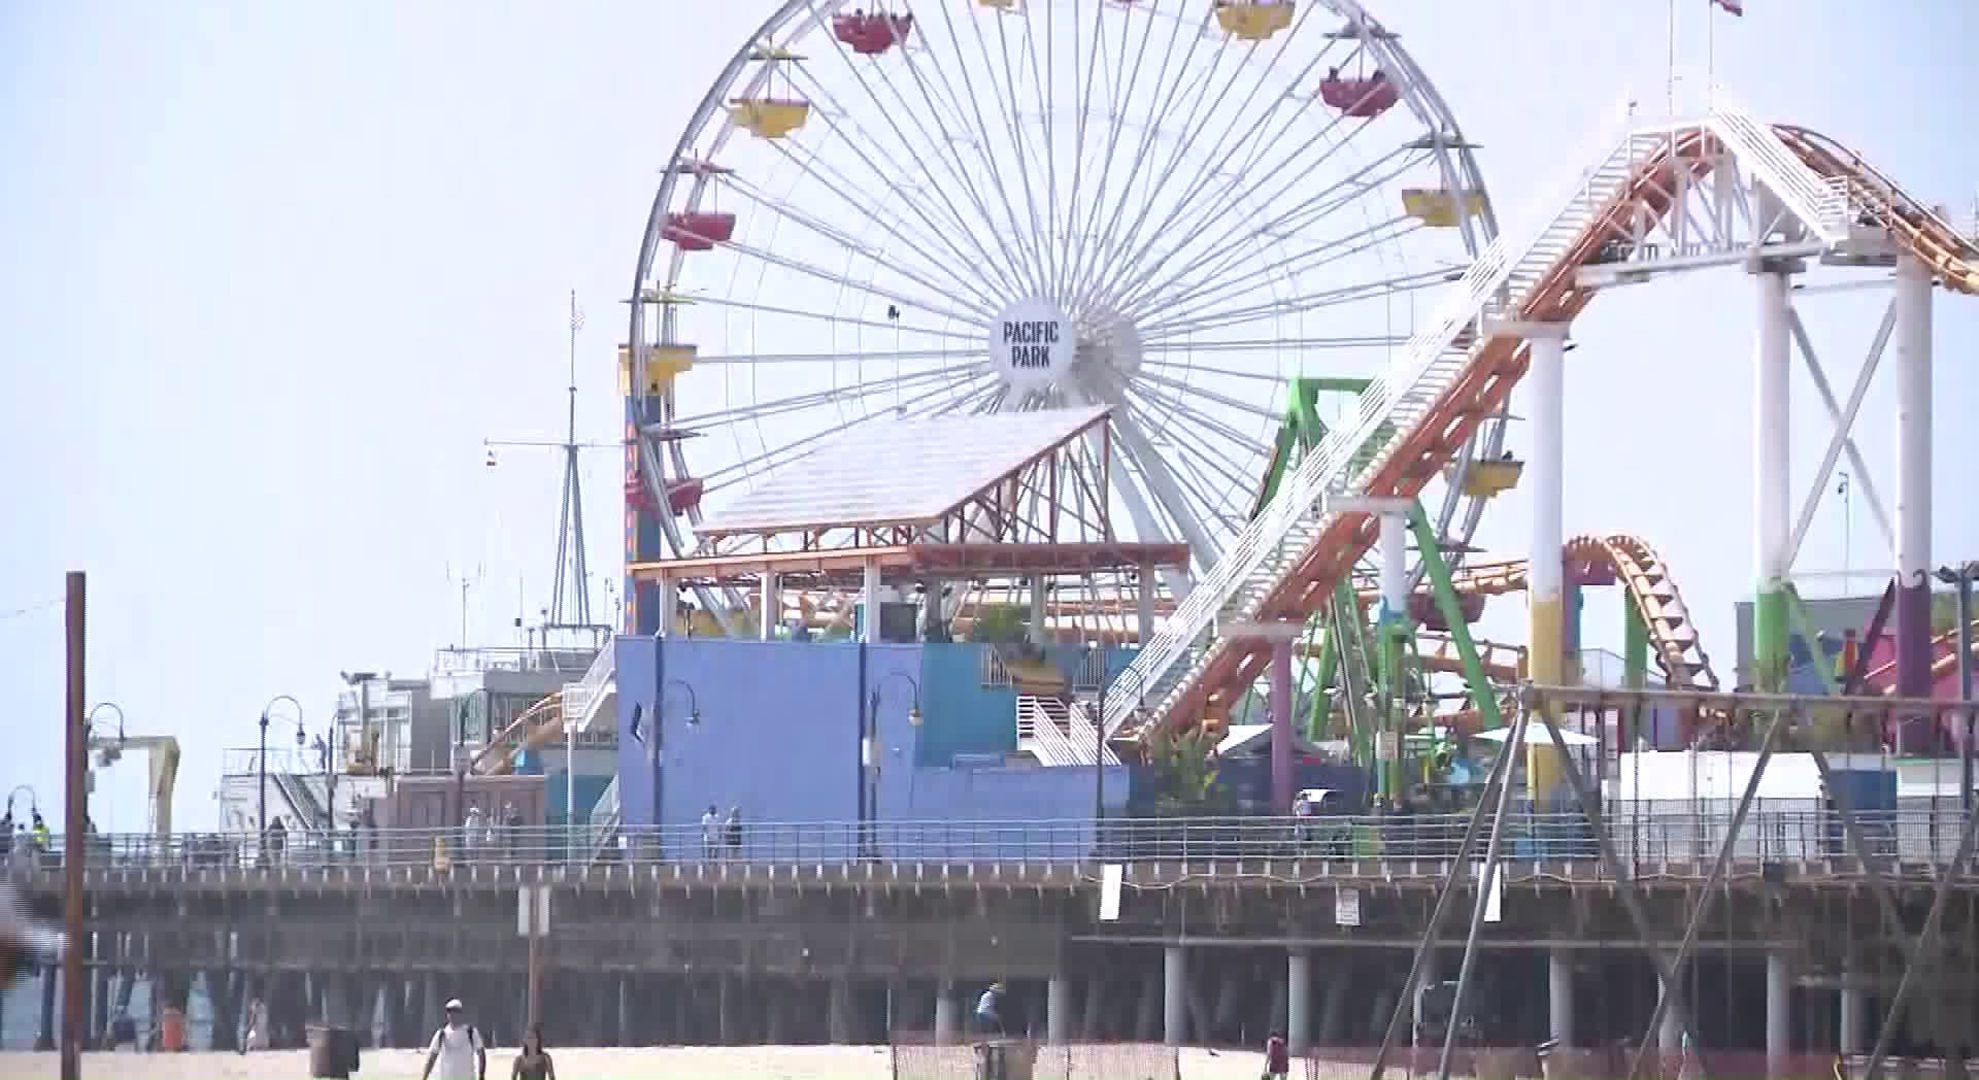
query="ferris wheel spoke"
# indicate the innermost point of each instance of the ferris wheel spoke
(1198, 234)
(896, 356)
(1208, 293)
(1178, 496)
(1162, 103)
(1084, 232)
(1217, 155)
(1201, 191)
(1033, 260)
(1228, 472)
(1162, 485)
(1072, 247)
(785, 453)
(1197, 416)
(1346, 294)
(821, 316)
(981, 301)
(907, 148)
(1222, 249)
(813, 398)
(917, 303)
(1044, 225)
(955, 223)
(1016, 264)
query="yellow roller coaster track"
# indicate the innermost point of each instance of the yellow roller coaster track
(538, 724)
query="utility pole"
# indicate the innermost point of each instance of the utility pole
(75, 1006)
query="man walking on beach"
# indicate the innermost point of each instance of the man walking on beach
(457, 1048)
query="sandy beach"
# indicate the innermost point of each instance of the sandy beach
(674, 1063)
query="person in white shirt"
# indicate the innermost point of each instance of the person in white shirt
(711, 834)
(457, 1048)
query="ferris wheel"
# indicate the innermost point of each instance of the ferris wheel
(881, 211)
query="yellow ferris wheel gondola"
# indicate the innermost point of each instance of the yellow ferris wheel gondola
(1254, 20)
(771, 116)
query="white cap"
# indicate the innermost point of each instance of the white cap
(454, 1005)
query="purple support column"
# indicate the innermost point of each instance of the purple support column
(1913, 524)
(1281, 726)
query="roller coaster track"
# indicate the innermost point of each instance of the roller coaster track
(1461, 367)
(1642, 575)
(538, 724)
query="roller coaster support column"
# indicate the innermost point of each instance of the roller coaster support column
(1546, 470)
(1913, 524)
(772, 607)
(869, 619)
(1772, 480)
(1392, 624)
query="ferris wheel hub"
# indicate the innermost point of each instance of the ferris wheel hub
(1032, 344)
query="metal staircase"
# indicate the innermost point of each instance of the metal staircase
(1041, 730)
(596, 694)
(1504, 282)
(306, 810)
(605, 818)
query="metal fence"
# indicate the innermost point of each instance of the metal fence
(1649, 838)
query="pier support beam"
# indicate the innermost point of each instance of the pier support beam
(1779, 1012)
(1913, 513)
(1670, 1034)
(1282, 707)
(1298, 1001)
(1772, 481)
(1058, 1009)
(1560, 996)
(1854, 1016)
(946, 1014)
(1175, 995)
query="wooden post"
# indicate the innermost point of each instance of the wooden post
(75, 1010)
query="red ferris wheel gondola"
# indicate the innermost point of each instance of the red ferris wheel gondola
(870, 33)
(1363, 98)
(699, 230)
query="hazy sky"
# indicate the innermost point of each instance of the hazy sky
(269, 273)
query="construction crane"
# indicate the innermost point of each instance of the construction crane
(163, 752)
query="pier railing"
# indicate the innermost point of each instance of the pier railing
(1649, 837)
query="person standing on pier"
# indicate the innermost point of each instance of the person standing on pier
(734, 829)
(711, 834)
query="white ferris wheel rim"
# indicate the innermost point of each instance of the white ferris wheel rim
(712, 128)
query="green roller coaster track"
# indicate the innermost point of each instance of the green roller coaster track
(1372, 671)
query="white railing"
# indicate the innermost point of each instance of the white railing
(1039, 730)
(1393, 396)
(1820, 205)
(581, 698)
(1081, 735)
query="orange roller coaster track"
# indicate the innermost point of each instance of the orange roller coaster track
(1497, 363)
(1644, 578)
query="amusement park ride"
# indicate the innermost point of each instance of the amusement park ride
(1137, 223)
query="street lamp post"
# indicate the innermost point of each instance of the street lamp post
(261, 811)
(868, 756)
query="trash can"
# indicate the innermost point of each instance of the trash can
(332, 1052)
(1006, 1059)
(171, 1029)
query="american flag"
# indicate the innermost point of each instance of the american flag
(1736, 7)
(577, 313)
